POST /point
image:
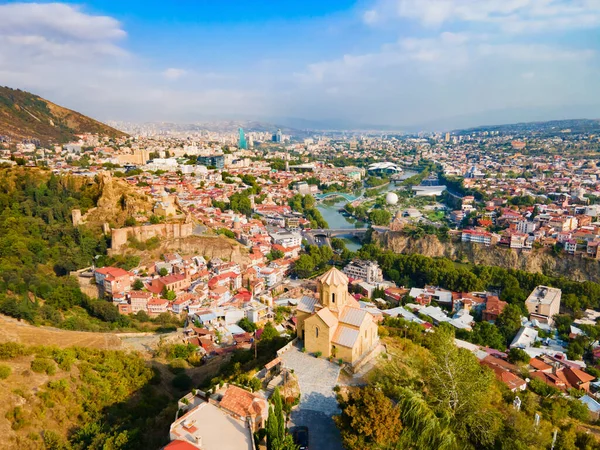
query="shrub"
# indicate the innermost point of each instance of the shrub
(178, 366)
(41, 365)
(10, 350)
(33, 436)
(318, 354)
(182, 351)
(195, 360)
(17, 417)
(53, 440)
(4, 372)
(254, 384)
(65, 359)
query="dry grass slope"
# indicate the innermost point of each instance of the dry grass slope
(12, 330)
(28, 116)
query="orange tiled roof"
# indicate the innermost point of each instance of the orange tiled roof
(539, 365)
(242, 403)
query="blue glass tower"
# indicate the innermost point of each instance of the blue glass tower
(242, 141)
(277, 137)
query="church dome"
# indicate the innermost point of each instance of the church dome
(333, 277)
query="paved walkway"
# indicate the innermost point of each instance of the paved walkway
(317, 377)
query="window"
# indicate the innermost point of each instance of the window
(316, 331)
(332, 298)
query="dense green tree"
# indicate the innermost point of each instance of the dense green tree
(517, 355)
(369, 420)
(269, 332)
(275, 254)
(509, 322)
(380, 217)
(460, 387)
(304, 266)
(277, 436)
(246, 325)
(563, 322)
(169, 294)
(487, 334)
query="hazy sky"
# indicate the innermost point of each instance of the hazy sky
(392, 62)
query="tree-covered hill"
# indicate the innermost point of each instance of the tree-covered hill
(28, 116)
(39, 246)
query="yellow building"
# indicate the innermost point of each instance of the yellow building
(334, 324)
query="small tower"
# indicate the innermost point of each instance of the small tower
(237, 225)
(76, 216)
(333, 290)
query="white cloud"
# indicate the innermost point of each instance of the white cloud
(513, 16)
(535, 52)
(174, 74)
(81, 60)
(55, 32)
(62, 22)
(452, 74)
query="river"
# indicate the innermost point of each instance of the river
(336, 220)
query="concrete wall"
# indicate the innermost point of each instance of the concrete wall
(143, 233)
(286, 347)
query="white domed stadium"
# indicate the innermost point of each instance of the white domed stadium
(391, 198)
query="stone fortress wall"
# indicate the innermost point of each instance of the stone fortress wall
(120, 236)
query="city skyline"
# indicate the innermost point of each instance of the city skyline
(431, 64)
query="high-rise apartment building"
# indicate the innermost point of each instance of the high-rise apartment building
(242, 143)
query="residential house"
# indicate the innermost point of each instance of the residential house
(364, 270)
(181, 302)
(480, 237)
(113, 280)
(493, 308)
(543, 303)
(176, 282)
(139, 300)
(157, 306)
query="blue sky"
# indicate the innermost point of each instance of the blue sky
(402, 63)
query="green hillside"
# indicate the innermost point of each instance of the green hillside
(27, 116)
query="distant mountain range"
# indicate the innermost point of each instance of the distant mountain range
(27, 116)
(551, 127)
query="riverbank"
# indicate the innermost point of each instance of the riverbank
(331, 212)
